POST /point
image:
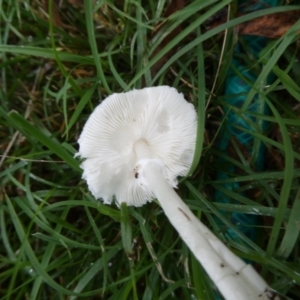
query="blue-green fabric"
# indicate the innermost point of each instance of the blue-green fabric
(241, 75)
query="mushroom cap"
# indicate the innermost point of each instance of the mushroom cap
(160, 117)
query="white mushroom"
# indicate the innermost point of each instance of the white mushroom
(154, 123)
(134, 147)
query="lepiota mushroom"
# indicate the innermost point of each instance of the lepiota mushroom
(134, 146)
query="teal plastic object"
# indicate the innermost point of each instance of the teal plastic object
(238, 83)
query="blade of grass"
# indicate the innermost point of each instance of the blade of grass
(126, 231)
(203, 286)
(48, 53)
(286, 41)
(291, 235)
(137, 20)
(200, 106)
(105, 255)
(288, 82)
(53, 236)
(80, 106)
(88, 8)
(25, 127)
(206, 36)
(140, 47)
(100, 264)
(115, 73)
(30, 253)
(59, 63)
(287, 181)
(46, 259)
(103, 209)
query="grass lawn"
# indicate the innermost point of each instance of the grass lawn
(58, 61)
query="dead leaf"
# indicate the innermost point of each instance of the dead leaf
(270, 26)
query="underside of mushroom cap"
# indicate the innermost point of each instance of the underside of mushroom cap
(157, 117)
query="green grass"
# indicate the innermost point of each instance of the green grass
(56, 241)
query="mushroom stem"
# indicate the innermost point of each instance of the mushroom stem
(233, 277)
